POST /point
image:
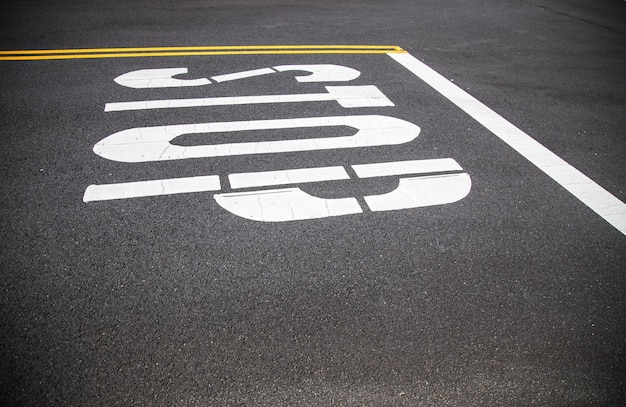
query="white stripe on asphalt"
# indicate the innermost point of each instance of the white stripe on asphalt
(242, 75)
(144, 144)
(283, 205)
(578, 184)
(346, 96)
(158, 78)
(151, 188)
(285, 177)
(417, 192)
(406, 167)
(322, 72)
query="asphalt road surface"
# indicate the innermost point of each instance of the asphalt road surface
(421, 207)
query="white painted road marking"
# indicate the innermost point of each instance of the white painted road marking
(406, 167)
(282, 205)
(244, 74)
(158, 78)
(286, 204)
(322, 72)
(346, 96)
(417, 192)
(578, 184)
(163, 77)
(154, 143)
(359, 96)
(151, 188)
(318, 73)
(285, 177)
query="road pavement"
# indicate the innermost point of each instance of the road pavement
(361, 235)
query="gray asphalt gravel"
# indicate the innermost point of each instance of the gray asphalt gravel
(513, 295)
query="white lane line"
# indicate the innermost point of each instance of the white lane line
(170, 186)
(285, 177)
(578, 184)
(242, 75)
(406, 167)
(346, 96)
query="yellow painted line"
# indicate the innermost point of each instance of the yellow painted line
(203, 48)
(172, 54)
(91, 53)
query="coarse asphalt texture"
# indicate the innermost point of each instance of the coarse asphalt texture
(511, 296)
